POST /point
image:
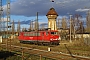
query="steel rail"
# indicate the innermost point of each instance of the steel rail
(50, 52)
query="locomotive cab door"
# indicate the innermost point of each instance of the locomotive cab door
(45, 37)
(42, 36)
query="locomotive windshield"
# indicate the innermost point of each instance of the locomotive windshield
(54, 33)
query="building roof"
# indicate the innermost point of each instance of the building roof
(52, 12)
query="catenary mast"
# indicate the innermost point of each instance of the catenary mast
(1, 10)
(8, 43)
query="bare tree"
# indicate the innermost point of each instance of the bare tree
(80, 28)
(72, 25)
(30, 25)
(64, 23)
(18, 27)
(13, 27)
(77, 18)
(58, 23)
(88, 21)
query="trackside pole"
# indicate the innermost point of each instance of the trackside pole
(0, 39)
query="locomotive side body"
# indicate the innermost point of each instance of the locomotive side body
(50, 37)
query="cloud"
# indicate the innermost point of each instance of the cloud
(27, 22)
(82, 10)
(30, 7)
(43, 23)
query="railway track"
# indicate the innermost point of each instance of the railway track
(45, 53)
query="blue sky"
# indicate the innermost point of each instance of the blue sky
(25, 10)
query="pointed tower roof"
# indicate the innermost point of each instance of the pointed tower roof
(52, 12)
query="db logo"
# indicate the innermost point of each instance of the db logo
(31, 37)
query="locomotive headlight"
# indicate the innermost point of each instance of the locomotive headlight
(51, 39)
(56, 39)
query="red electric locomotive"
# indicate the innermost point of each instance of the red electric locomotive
(40, 37)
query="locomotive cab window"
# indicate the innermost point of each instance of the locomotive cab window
(47, 33)
(54, 33)
(42, 34)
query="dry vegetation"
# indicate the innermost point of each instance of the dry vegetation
(77, 47)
